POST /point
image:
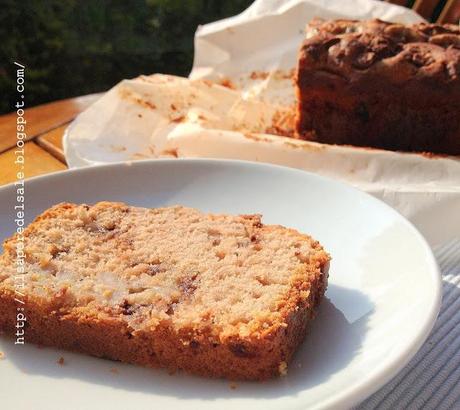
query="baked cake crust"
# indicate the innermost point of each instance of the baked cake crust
(379, 84)
(113, 319)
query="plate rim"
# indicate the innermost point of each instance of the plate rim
(377, 378)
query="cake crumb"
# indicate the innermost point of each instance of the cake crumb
(282, 368)
(259, 75)
(114, 371)
(173, 152)
(214, 338)
(2, 355)
(117, 148)
(180, 118)
(233, 385)
(225, 82)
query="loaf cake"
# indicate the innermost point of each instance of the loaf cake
(379, 84)
(213, 295)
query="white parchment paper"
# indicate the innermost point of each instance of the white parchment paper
(240, 94)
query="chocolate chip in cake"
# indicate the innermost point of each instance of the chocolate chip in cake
(240, 350)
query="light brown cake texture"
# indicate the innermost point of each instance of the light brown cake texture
(214, 295)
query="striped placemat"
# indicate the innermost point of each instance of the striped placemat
(431, 380)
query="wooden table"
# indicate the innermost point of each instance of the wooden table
(45, 127)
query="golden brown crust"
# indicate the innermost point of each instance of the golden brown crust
(103, 331)
(382, 85)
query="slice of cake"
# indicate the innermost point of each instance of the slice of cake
(214, 295)
(378, 84)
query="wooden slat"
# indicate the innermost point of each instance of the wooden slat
(36, 162)
(450, 13)
(425, 7)
(43, 118)
(52, 142)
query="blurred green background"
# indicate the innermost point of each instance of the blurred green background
(72, 47)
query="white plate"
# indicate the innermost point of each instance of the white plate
(383, 296)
